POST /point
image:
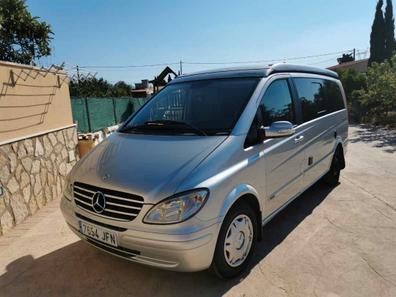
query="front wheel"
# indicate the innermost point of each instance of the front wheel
(236, 242)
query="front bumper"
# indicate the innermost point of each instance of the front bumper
(186, 252)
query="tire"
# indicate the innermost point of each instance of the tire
(333, 176)
(237, 221)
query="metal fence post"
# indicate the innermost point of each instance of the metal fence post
(88, 117)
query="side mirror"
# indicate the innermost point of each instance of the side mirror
(279, 129)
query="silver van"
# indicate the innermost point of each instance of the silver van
(189, 180)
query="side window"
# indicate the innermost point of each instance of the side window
(311, 97)
(277, 104)
(318, 97)
(333, 96)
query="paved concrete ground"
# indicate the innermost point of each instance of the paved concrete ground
(329, 242)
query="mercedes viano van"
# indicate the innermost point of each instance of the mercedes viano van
(188, 181)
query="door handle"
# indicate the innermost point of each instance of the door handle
(299, 139)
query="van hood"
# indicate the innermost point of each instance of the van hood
(152, 166)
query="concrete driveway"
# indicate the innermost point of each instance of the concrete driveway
(328, 242)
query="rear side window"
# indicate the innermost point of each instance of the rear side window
(333, 96)
(318, 97)
(277, 104)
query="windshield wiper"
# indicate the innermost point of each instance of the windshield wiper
(166, 124)
(176, 123)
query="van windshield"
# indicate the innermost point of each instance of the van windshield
(206, 107)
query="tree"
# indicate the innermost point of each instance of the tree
(98, 87)
(377, 37)
(90, 87)
(353, 83)
(352, 80)
(121, 89)
(23, 38)
(390, 43)
(379, 99)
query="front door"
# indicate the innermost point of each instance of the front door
(283, 157)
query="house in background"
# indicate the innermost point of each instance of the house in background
(359, 66)
(143, 89)
(163, 78)
(146, 88)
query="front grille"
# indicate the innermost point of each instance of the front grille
(119, 205)
(115, 228)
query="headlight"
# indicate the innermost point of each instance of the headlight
(178, 208)
(68, 192)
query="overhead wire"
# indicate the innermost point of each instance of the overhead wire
(104, 67)
(127, 66)
(266, 61)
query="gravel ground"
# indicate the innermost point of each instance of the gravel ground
(328, 242)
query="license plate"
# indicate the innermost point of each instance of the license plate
(98, 233)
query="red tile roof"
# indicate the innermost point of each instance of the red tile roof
(362, 63)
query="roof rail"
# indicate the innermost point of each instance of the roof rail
(283, 67)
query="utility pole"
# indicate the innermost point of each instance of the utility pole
(181, 67)
(78, 75)
(354, 54)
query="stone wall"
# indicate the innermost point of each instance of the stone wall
(32, 173)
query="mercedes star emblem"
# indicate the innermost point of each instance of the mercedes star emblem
(99, 202)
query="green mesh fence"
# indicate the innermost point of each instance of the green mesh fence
(80, 115)
(103, 112)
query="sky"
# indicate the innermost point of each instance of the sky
(141, 32)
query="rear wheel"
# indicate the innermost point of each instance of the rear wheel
(236, 242)
(333, 176)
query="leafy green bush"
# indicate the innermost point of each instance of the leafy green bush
(379, 99)
(371, 97)
(354, 82)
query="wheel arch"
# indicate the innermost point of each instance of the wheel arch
(339, 149)
(244, 194)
